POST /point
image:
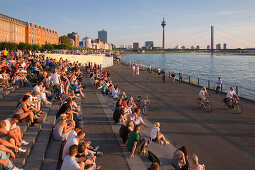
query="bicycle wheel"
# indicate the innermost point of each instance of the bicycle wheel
(208, 107)
(238, 108)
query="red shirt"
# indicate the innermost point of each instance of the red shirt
(124, 104)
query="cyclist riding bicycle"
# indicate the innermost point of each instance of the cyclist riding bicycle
(203, 95)
(230, 95)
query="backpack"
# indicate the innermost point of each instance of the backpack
(153, 157)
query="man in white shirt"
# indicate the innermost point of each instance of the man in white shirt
(55, 78)
(74, 132)
(72, 141)
(231, 93)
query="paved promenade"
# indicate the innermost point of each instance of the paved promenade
(99, 131)
(221, 139)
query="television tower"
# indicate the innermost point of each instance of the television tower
(212, 39)
(163, 24)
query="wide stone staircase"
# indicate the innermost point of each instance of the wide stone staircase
(43, 151)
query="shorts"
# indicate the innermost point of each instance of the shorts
(201, 97)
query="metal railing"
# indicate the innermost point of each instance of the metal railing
(243, 92)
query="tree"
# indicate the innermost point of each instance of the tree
(24, 46)
(48, 47)
(66, 40)
(35, 47)
(8, 46)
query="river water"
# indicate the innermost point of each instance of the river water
(235, 70)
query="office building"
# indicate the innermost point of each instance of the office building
(192, 47)
(15, 30)
(224, 46)
(135, 45)
(198, 47)
(208, 47)
(102, 35)
(75, 37)
(95, 44)
(218, 47)
(149, 44)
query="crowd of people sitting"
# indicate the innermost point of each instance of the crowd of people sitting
(49, 80)
(127, 114)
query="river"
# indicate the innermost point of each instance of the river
(235, 70)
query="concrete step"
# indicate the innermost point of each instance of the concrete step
(4, 91)
(38, 151)
(52, 155)
(30, 136)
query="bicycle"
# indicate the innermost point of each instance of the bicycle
(207, 106)
(144, 104)
(235, 105)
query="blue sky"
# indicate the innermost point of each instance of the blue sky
(188, 21)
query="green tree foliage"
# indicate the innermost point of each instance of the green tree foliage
(48, 47)
(24, 46)
(8, 45)
(66, 40)
(35, 47)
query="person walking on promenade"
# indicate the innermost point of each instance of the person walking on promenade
(133, 69)
(164, 77)
(173, 76)
(137, 70)
(180, 77)
(149, 69)
(219, 84)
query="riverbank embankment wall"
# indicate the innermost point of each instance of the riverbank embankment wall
(99, 59)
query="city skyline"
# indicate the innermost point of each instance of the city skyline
(188, 21)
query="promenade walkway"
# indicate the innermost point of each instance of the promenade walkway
(99, 132)
(221, 139)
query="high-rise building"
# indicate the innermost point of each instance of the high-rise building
(192, 47)
(15, 30)
(75, 37)
(218, 46)
(102, 35)
(149, 44)
(135, 45)
(208, 47)
(224, 46)
(198, 47)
